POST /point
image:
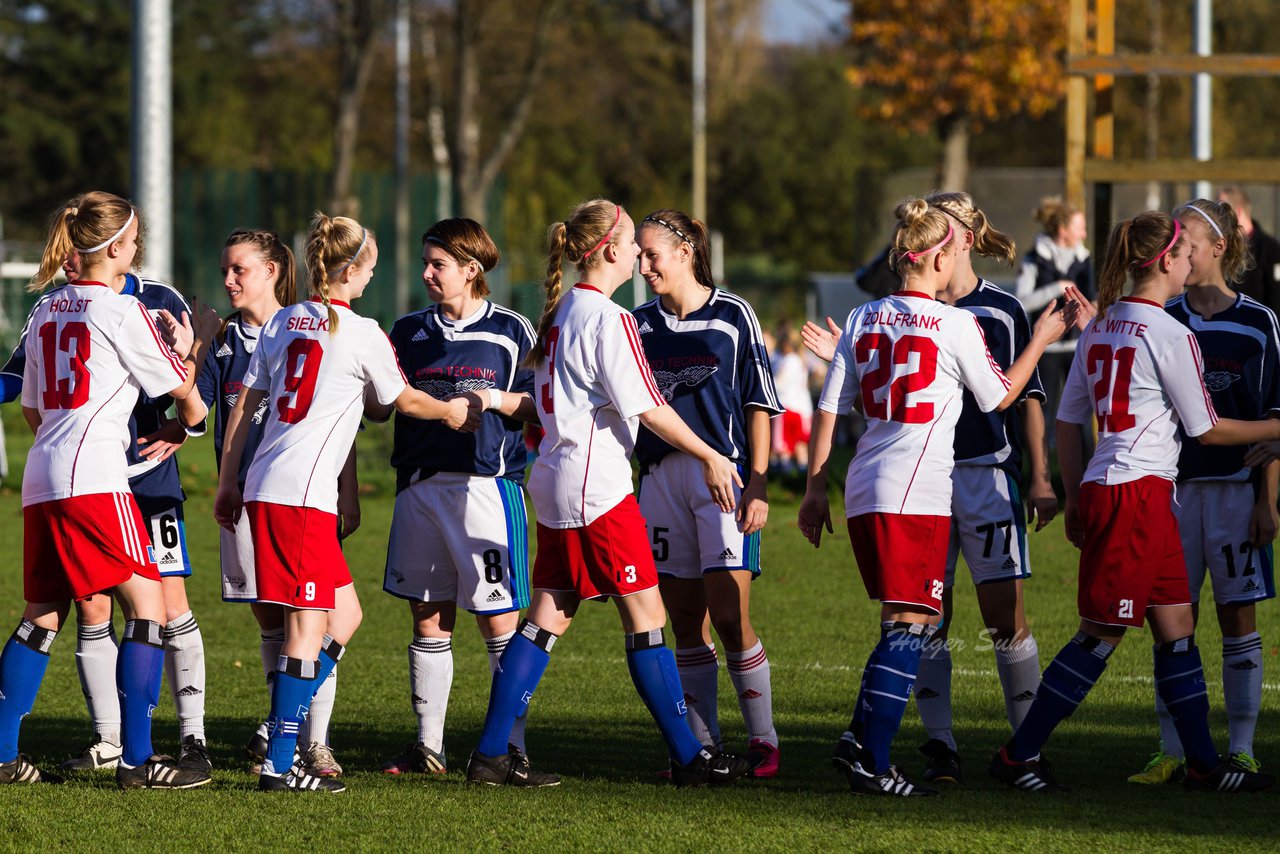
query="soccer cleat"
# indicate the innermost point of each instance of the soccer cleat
(710, 767)
(1244, 761)
(256, 751)
(298, 779)
(195, 755)
(1228, 777)
(318, 759)
(21, 770)
(1029, 776)
(417, 759)
(892, 783)
(1162, 768)
(765, 758)
(509, 770)
(99, 755)
(845, 754)
(160, 772)
(944, 763)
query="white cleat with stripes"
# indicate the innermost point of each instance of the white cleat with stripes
(21, 770)
(892, 783)
(299, 780)
(160, 772)
(1228, 777)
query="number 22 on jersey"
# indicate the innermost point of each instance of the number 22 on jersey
(887, 397)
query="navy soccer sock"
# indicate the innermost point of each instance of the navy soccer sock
(139, 671)
(22, 666)
(657, 680)
(331, 653)
(1180, 683)
(891, 671)
(519, 671)
(1063, 687)
(295, 685)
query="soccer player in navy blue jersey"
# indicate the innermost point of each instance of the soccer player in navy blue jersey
(459, 533)
(1226, 510)
(708, 357)
(155, 484)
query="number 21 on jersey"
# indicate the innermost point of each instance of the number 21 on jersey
(1114, 369)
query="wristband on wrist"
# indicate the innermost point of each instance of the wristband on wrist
(495, 399)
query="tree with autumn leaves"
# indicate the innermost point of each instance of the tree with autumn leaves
(948, 68)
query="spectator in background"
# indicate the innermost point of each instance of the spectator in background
(1261, 278)
(791, 429)
(1057, 259)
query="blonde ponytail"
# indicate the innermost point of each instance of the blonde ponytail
(553, 285)
(333, 243)
(87, 224)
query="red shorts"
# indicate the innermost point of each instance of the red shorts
(793, 430)
(1132, 555)
(902, 558)
(609, 557)
(296, 555)
(75, 547)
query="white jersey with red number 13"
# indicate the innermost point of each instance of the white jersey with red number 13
(315, 386)
(590, 389)
(1139, 372)
(89, 350)
(911, 358)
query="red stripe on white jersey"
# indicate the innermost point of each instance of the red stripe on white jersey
(907, 493)
(633, 338)
(177, 364)
(1208, 400)
(991, 359)
(397, 358)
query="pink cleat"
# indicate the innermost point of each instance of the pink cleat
(766, 756)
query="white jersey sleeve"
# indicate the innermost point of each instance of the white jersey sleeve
(1076, 406)
(978, 370)
(1182, 374)
(621, 366)
(382, 369)
(840, 388)
(145, 355)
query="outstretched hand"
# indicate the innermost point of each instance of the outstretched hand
(821, 342)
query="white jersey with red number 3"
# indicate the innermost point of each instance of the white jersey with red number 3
(1139, 372)
(89, 350)
(315, 384)
(590, 388)
(911, 358)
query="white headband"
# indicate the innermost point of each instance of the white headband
(112, 239)
(363, 237)
(1207, 218)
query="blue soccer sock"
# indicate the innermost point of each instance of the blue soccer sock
(891, 671)
(1063, 687)
(1180, 683)
(657, 680)
(519, 671)
(290, 701)
(22, 666)
(139, 671)
(331, 653)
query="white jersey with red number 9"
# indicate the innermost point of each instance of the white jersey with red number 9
(590, 388)
(315, 386)
(1139, 372)
(910, 359)
(89, 350)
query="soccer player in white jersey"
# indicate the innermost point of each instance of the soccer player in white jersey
(459, 534)
(1139, 372)
(91, 351)
(314, 363)
(593, 387)
(708, 357)
(909, 358)
(1226, 510)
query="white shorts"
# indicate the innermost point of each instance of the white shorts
(987, 526)
(239, 577)
(1213, 521)
(690, 535)
(460, 538)
(168, 532)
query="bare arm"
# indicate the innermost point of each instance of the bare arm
(753, 510)
(1042, 503)
(815, 509)
(348, 497)
(719, 473)
(1051, 326)
(33, 418)
(203, 327)
(1071, 463)
(511, 404)
(1231, 431)
(455, 413)
(228, 502)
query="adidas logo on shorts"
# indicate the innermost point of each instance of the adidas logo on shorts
(420, 335)
(495, 596)
(645, 327)
(1009, 563)
(728, 554)
(1251, 587)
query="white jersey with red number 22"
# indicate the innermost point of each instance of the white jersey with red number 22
(910, 357)
(89, 350)
(1139, 372)
(315, 384)
(590, 387)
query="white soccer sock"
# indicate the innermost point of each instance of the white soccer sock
(430, 678)
(269, 648)
(699, 671)
(749, 673)
(496, 647)
(96, 653)
(316, 727)
(1019, 668)
(1242, 689)
(1170, 743)
(933, 691)
(184, 667)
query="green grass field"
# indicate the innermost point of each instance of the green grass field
(587, 724)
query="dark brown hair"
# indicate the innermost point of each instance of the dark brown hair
(466, 240)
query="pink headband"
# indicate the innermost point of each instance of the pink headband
(617, 216)
(913, 257)
(1177, 230)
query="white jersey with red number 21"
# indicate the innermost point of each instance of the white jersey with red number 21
(1139, 372)
(590, 388)
(315, 384)
(89, 350)
(910, 358)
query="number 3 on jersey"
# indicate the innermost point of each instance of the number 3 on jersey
(301, 367)
(885, 399)
(546, 393)
(1114, 370)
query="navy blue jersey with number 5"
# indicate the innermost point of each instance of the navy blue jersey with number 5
(709, 366)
